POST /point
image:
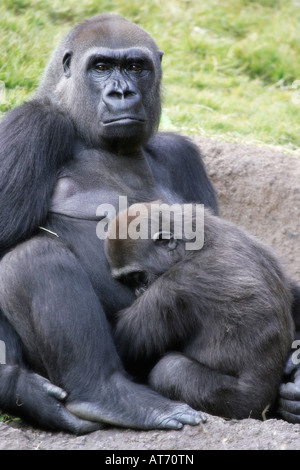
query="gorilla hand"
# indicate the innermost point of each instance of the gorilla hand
(39, 401)
(289, 402)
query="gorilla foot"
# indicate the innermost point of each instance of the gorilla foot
(41, 403)
(136, 407)
(172, 416)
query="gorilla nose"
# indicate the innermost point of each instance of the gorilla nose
(120, 96)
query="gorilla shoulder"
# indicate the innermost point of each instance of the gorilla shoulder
(170, 151)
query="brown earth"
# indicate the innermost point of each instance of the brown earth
(259, 189)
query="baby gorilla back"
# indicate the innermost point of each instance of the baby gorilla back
(225, 310)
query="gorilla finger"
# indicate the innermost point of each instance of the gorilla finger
(290, 366)
(290, 406)
(75, 425)
(51, 389)
(55, 391)
(289, 417)
(290, 391)
(191, 417)
(296, 378)
(170, 424)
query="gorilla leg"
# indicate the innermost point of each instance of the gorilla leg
(49, 300)
(182, 378)
(29, 395)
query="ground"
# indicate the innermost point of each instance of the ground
(259, 189)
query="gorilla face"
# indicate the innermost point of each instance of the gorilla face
(120, 80)
(111, 88)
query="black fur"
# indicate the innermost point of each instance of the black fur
(74, 146)
(181, 153)
(221, 309)
(36, 140)
(296, 305)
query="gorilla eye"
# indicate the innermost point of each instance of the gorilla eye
(101, 67)
(135, 67)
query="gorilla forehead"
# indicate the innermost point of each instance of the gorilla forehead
(111, 31)
(108, 31)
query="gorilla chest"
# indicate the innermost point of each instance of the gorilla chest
(83, 186)
(90, 181)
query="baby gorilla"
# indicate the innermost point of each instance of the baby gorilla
(217, 319)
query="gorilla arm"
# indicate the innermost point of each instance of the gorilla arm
(166, 150)
(35, 140)
(157, 319)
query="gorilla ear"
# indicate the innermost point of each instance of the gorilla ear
(167, 238)
(67, 63)
(160, 53)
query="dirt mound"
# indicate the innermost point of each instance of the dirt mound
(259, 189)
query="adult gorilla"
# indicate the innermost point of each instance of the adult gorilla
(87, 137)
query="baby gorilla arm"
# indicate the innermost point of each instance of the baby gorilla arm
(157, 319)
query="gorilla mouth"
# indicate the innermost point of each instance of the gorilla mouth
(124, 120)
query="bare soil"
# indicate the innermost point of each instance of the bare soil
(259, 189)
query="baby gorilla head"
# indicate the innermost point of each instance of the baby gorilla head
(137, 248)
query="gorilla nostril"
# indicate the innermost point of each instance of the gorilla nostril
(115, 95)
(119, 95)
(130, 94)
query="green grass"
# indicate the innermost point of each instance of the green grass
(229, 67)
(8, 419)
